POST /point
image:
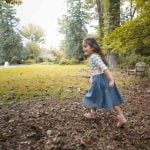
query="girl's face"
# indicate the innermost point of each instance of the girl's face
(87, 49)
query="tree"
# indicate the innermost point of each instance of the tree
(18, 2)
(11, 46)
(75, 30)
(133, 36)
(33, 33)
(100, 17)
(139, 3)
(108, 16)
(133, 8)
(33, 50)
(34, 36)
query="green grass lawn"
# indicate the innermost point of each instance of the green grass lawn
(27, 82)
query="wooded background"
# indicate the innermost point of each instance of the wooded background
(122, 30)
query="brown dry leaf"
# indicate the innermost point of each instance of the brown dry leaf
(86, 142)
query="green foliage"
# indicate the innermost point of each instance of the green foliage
(56, 55)
(139, 3)
(108, 12)
(65, 61)
(111, 15)
(33, 33)
(133, 36)
(33, 50)
(15, 60)
(72, 26)
(34, 36)
(13, 1)
(10, 40)
(29, 61)
(86, 62)
(39, 59)
(130, 60)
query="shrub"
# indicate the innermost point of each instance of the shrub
(49, 60)
(131, 37)
(65, 61)
(15, 60)
(29, 61)
(39, 60)
(85, 62)
(45, 63)
(129, 61)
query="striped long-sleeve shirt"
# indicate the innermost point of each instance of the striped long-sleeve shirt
(97, 66)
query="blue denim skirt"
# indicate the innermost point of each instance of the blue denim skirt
(100, 95)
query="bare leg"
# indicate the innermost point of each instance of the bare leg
(118, 110)
(121, 118)
(92, 114)
(93, 109)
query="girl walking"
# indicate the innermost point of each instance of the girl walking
(103, 92)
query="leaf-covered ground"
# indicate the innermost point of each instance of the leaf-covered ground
(46, 123)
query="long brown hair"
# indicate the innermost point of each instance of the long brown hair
(93, 44)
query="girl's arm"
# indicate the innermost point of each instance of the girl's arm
(110, 77)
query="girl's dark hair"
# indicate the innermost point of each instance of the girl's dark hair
(93, 44)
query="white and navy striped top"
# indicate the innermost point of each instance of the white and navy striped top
(97, 66)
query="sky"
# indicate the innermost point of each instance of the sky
(44, 13)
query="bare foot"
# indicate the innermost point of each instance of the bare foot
(90, 115)
(121, 121)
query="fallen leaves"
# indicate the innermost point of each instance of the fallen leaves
(50, 124)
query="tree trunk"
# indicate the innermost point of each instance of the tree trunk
(100, 17)
(114, 20)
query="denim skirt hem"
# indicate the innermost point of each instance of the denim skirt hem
(100, 95)
(101, 107)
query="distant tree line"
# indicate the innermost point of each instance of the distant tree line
(17, 43)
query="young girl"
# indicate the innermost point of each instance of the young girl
(103, 92)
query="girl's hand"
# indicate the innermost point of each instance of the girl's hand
(111, 83)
